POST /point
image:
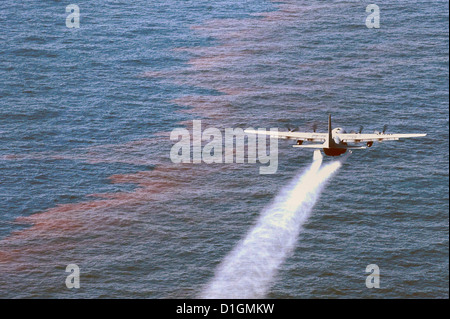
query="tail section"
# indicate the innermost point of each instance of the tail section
(329, 141)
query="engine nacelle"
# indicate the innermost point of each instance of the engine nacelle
(369, 144)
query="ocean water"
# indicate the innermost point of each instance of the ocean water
(85, 118)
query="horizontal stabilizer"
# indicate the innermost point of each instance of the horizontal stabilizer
(355, 147)
(321, 146)
(309, 146)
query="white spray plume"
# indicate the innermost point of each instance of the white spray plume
(249, 269)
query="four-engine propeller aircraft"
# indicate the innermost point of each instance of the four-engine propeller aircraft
(335, 142)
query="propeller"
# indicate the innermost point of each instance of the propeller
(384, 130)
(291, 129)
(360, 130)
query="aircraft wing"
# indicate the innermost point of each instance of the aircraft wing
(356, 137)
(304, 136)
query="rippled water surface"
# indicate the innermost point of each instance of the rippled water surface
(85, 118)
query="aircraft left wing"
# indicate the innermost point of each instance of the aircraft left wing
(304, 136)
(357, 137)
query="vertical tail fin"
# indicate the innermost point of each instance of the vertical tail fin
(330, 133)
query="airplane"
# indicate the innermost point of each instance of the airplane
(335, 142)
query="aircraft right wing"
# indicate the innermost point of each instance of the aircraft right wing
(357, 137)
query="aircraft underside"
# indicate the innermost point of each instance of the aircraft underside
(334, 151)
